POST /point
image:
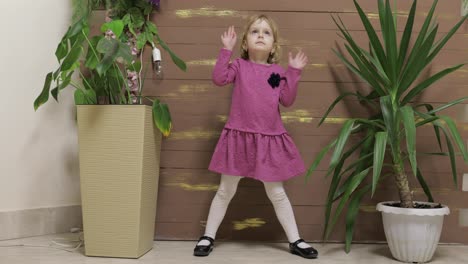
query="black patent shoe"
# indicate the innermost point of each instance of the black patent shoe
(203, 251)
(309, 253)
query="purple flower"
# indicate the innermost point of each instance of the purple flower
(132, 81)
(155, 2)
(109, 34)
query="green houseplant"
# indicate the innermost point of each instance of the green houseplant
(391, 70)
(119, 145)
(110, 64)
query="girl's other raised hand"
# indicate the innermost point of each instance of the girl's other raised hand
(229, 38)
(299, 61)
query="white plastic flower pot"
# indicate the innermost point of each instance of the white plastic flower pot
(412, 234)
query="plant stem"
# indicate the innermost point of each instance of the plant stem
(76, 85)
(124, 80)
(84, 79)
(90, 45)
(401, 180)
(140, 84)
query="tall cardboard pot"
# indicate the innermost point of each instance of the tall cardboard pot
(119, 153)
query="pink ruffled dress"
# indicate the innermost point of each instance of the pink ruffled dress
(254, 142)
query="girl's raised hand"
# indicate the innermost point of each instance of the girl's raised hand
(229, 38)
(299, 61)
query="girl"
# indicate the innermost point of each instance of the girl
(254, 142)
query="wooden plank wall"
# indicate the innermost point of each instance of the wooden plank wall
(199, 110)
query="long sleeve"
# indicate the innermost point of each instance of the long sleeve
(288, 87)
(225, 72)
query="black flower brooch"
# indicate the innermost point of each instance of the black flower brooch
(274, 80)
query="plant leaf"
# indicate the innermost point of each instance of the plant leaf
(366, 159)
(390, 121)
(152, 27)
(85, 97)
(367, 70)
(456, 135)
(415, 66)
(451, 152)
(341, 141)
(390, 43)
(355, 182)
(447, 105)
(179, 62)
(421, 37)
(92, 58)
(375, 42)
(353, 209)
(424, 186)
(62, 50)
(319, 158)
(162, 117)
(426, 83)
(44, 95)
(405, 40)
(337, 100)
(116, 26)
(407, 116)
(430, 120)
(379, 154)
(72, 57)
(444, 40)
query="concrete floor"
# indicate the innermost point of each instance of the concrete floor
(52, 249)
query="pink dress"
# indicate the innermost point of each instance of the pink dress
(254, 142)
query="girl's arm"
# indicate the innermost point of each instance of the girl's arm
(225, 72)
(288, 88)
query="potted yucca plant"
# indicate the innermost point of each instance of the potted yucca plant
(119, 135)
(391, 70)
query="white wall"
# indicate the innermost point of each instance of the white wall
(38, 150)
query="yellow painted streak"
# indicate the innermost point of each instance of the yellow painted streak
(222, 118)
(209, 11)
(323, 66)
(248, 223)
(300, 115)
(368, 208)
(318, 65)
(376, 15)
(336, 120)
(195, 187)
(439, 16)
(187, 88)
(207, 62)
(196, 133)
(171, 95)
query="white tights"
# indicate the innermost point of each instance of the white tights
(276, 194)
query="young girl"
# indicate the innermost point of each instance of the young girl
(254, 142)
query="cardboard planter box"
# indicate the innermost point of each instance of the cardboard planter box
(119, 153)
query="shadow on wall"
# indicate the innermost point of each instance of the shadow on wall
(50, 156)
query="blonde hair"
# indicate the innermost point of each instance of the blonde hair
(274, 56)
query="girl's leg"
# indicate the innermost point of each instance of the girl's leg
(284, 211)
(227, 189)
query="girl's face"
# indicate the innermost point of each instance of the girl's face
(260, 37)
